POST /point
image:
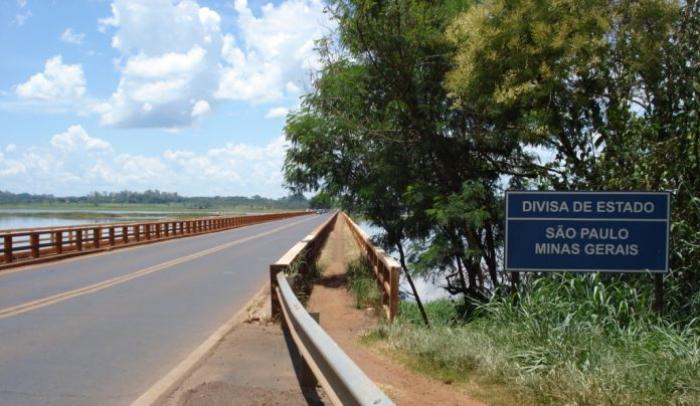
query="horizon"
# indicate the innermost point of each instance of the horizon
(108, 193)
(97, 98)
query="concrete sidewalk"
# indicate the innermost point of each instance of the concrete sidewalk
(251, 366)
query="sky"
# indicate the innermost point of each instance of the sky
(181, 96)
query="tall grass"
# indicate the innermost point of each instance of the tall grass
(362, 284)
(564, 340)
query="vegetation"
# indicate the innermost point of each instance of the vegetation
(152, 199)
(425, 112)
(363, 285)
(568, 340)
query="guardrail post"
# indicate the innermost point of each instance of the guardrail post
(7, 248)
(276, 310)
(79, 240)
(34, 242)
(147, 231)
(58, 242)
(125, 234)
(111, 236)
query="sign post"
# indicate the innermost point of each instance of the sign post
(588, 232)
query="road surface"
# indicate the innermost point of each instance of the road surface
(101, 329)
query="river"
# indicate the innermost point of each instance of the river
(40, 218)
(429, 289)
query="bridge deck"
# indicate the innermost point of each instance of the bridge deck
(103, 328)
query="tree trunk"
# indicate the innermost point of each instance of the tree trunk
(402, 259)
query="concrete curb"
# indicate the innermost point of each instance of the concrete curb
(169, 383)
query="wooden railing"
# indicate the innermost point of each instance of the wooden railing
(322, 360)
(385, 268)
(24, 246)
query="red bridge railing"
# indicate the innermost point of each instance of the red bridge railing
(24, 246)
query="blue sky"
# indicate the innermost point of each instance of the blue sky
(186, 96)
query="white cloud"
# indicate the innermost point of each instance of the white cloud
(72, 37)
(166, 70)
(76, 138)
(171, 53)
(200, 108)
(250, 168)
(77, 162)
(174, 60)
(277, 112)
(276, 50)
(58, 83)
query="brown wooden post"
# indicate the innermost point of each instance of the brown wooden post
(158, 227)
(34, 243)
(147, 229)
(111, 236)
(125, 234)
(58, 242)
(137, 232)
(79, 240)
(7, 248)
(96, 237)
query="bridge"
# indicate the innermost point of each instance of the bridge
(104, 328)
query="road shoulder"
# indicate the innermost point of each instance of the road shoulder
(251, 365)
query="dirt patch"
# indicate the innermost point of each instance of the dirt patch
(345, 323)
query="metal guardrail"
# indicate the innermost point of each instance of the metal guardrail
(386, 269)
(25, 246)
(342, 380)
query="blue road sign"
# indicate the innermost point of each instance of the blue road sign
(587, 231)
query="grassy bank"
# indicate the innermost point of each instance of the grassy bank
(568, 340)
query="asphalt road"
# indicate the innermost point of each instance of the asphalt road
(101, 329)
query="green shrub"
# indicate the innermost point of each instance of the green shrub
(442, 312)
(362, 284)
